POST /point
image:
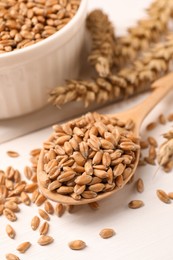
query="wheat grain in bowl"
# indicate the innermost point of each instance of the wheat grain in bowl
(25, 22)
(35, 56)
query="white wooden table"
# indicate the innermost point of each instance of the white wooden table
(142, 234)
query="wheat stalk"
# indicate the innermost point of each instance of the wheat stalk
(108, 49)
(103, 41)
(146, 31)
(127, 82)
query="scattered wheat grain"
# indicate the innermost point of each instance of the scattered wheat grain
(45, 240)
(107, 233)
(77, 245)
(163, 196)
(135, 204)
(35, 222)
(23, 247)
(12, 154)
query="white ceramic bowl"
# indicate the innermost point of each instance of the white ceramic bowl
(27, 75)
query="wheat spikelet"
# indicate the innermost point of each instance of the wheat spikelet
(127, 82)
(165, 152)
(103, 41)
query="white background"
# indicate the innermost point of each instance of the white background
(142, 234)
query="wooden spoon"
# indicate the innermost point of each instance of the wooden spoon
(138, 113)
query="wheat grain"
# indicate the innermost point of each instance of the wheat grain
(135, 204)
(40, 199)
(149, 160)
(94, 205)
(35, 195)
(25, 198)
(152, 141)
(13, 206)
(143, 144)
(11, 257)
(13, 154)
(31, 187)
(48, 207)
(59, 209)
(77, 245)
(10, 231)
(162, 119)
(107, 233)
(162, 195)
(28, 172)
(151, 126)
(140, 185)
(9, 214)
(35, 222)
(23, 247)
(35, 152)
(44, 228)
(152, 152)
(43, 214)
(45, 240)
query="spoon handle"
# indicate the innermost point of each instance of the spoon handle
(160, 88)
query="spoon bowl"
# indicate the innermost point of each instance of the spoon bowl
(160, 88)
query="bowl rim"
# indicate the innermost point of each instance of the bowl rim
(48, 40)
